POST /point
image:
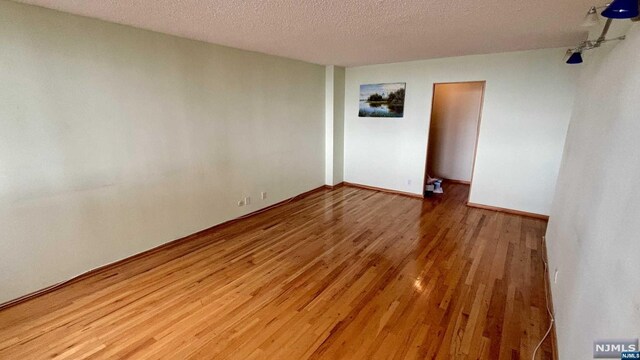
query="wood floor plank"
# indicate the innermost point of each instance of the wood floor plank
(346, 273)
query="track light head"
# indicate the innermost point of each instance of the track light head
(575, 58)
(622, 9)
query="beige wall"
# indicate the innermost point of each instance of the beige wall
(593, 236)
(453, 130)
(114, 140)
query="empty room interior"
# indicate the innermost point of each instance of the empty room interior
(347, 179)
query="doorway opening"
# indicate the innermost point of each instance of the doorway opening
(456, 109)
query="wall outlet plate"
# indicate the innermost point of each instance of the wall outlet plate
(263, 195)
(247, 200)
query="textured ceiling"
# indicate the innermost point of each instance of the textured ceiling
(352, 32)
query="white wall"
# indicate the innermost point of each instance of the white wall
(593, 233)
(453, 130)
(338, 127)
(527, 106)
(329, 85)
(334, 124)
(114, 140)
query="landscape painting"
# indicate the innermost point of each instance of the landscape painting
(382, 100)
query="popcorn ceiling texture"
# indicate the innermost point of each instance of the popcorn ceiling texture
(351, 32)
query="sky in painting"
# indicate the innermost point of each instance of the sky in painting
(382, 89)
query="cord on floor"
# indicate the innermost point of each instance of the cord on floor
(546, 293)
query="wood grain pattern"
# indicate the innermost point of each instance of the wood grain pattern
(339, 274)
(162, 247)
(389, 191)
(509, 211)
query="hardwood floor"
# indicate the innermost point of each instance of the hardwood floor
(339, 274)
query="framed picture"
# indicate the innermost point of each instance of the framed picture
(382, 100)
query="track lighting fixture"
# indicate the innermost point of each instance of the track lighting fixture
(576, 53)
(618, 9)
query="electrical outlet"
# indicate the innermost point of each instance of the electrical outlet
(263, 195)
(241, 203)
(555, 277)
(409, 182)
(247, 200)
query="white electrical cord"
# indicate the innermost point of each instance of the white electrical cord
(546, 296)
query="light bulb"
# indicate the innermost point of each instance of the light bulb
(592, 18)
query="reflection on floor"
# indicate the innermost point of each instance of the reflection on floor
(344, 273)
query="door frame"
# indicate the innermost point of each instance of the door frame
(475, 147)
